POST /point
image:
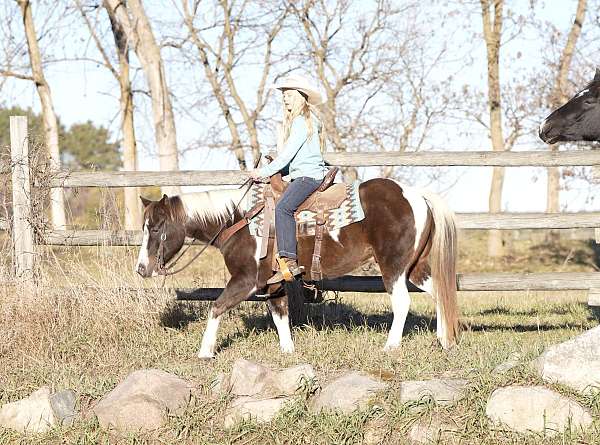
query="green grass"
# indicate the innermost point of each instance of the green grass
(89, 339)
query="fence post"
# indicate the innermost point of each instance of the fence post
(22, 230)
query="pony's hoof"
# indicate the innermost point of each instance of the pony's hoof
(391, 348)
(206, 356)
(446, 344)
(287, 349)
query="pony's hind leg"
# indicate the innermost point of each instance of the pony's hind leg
(279, 311)
(441, 329)
(400, 299)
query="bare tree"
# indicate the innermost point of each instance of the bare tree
(132, 204)
(57, 207)
(244, 32)
(133, 20)
(373, 64)
(492, 32)
(560, 94)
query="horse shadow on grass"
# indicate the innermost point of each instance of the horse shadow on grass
(339, 315)
(179, 314)
(321, 316)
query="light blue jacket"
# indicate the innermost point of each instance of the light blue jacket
(302, 155)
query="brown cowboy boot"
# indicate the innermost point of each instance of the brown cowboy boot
(288, 269)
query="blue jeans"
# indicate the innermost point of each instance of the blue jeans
(285, 224)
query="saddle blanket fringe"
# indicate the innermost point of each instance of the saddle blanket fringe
(350, 211)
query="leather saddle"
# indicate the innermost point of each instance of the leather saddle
(336, 193)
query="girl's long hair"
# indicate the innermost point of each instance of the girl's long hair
(301, 106)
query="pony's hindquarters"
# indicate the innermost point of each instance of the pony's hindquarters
(442, 260)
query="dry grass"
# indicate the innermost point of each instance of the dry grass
(89, 339)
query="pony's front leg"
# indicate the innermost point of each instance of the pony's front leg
(209, 339)
(234, 293)
(279, 311)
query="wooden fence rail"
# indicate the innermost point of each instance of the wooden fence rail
(503, 221)
(378, 159)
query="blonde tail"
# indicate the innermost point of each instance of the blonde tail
(443, 257)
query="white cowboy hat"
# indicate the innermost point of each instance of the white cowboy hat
(302, 84)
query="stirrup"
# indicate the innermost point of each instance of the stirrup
(284, 273)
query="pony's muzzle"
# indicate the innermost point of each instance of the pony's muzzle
(543, 129)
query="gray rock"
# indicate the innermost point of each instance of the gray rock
(252, 379)
(347, 393)
(138, 412)
(535, 408)
(250, 408)
(142, 401)
(247, 378)
(289, 380)
(512, 362)
(574, 363)
(63, 406)
(39, 412)
(441, 391)
(433, 431)
(220, 385)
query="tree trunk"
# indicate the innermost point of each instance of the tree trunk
(141, 39)
(560, 96)
(57, 197)
(492, 34)
(132, 204)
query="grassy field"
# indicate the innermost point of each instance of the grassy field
(88, 340)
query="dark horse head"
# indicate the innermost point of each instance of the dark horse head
(164, 234)
(578, 119)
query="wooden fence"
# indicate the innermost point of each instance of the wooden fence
(23, 239)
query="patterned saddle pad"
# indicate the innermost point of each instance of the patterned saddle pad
(347, 212)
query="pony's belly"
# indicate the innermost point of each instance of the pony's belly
(341, 252)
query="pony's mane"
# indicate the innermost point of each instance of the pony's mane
(592, 84)
(173, 207)
(213, 206)
(177, 210)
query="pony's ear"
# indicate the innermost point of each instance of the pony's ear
(164, 199)
(146, 202)
(597, 75)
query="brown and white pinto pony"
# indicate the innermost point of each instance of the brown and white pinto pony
(410, 233)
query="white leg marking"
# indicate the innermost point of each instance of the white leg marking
(209, 339)
(282, 324)
(400, 305)
(427, 286)
(143, 255)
